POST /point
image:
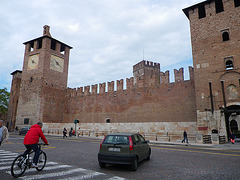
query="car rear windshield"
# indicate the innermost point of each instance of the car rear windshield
(116, 139)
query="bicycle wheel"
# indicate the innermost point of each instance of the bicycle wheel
(41, 161)
(19, 166)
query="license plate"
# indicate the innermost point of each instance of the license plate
(114, 149)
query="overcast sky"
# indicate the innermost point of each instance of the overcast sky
(108, 36)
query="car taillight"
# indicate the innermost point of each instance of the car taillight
(130, 143)
(102, 142)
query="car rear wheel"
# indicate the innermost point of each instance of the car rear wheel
(102, 165)
(135, 165)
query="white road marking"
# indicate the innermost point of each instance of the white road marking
(4, 157)
(49, 175)
(5, 167)
(7, 153)
(9, 159)
(51, 163)
(85, 176)
(116, 178)
(8, 162)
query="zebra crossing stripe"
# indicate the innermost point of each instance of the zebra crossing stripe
(5, 167)
(8, 162)
(85, 176)
(4, 157)
(48, 168)
(7, 153)
(116, 178)
(51, 163)
(49, 175)
(9, 159)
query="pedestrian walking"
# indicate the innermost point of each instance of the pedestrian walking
(232, 137)
(79, 132)
(64, 133)
(4, 135)
(16, 129)
(71, 132)
(185, 137)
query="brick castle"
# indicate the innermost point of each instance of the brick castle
(207, 105)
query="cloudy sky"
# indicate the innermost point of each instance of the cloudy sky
(108, 36)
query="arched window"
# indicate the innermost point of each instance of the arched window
(233, 125)
(229, 64)
(225, 36)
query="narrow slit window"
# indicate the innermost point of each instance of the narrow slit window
(219, 6)
(201, 11)
(62, 50)
(53, 44)
(237, 3)
(225, 36)
(39, 43)
(31, 45)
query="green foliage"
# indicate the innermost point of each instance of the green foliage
(4, 100)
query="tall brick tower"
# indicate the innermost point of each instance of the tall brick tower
(146, 73)
(215, 38)
(43, 80)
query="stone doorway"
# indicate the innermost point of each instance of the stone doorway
(232, 119)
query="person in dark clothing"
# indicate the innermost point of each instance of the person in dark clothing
(232, 137)
(185, 136)
(71, 132)
(64, 133)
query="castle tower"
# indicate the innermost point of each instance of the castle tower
(215, 36)
(13, 99)
(146, 73)
(43, 81)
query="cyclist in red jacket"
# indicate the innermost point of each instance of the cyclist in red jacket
(31, 141)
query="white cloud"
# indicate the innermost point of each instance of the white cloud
(108, 36)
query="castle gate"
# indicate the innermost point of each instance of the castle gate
(232, 119)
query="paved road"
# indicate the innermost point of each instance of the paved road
(76, 158)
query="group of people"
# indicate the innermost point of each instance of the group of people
(71, 132)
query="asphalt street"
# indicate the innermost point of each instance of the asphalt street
(76, 158)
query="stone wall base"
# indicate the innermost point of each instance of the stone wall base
(160, 131)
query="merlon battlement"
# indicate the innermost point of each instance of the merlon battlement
(148, 64)
(118, 86)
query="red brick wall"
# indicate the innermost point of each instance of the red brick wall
(173, 102)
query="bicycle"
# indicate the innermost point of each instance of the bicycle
(20, 163)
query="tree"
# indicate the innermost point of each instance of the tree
(4, 100)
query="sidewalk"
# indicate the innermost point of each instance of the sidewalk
(226, 146)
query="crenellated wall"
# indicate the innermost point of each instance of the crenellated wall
(101, 87)
(147, 102)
